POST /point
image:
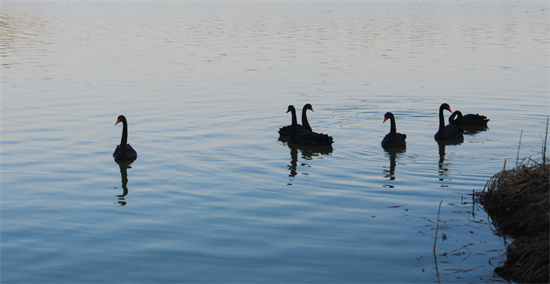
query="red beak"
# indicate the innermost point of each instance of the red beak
(449, 109)
(385, 118)
(117, 121)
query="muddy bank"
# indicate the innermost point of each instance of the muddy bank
(517, 201)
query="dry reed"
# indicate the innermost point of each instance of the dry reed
(517, 201)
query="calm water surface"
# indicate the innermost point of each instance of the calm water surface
(214, 196)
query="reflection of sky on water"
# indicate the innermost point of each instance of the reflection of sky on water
(207, 85)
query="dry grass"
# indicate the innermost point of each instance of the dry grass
(526, 261)
(518, 202)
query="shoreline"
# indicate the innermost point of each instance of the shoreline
(517, 201)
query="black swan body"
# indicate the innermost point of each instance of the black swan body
(124, 151)
(307, 137)
(286, 130)
(449, 132)
(310, 138)
(468, 119)
(393, 139)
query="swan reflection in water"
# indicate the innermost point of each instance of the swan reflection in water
(392, 153)
(308, 153)
(123, 166)
(443, 167)
(473, 130)
(293, 161)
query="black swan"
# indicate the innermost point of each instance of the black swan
(286, 130)
(393, 139)
(307, 137)
(124, 151)
(448, 132)
(468, 119)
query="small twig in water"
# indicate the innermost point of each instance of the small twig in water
(435, 241)
(545, 140)
(473, 204)
(437, 223)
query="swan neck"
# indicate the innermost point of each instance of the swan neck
(305, 123)
(393, 129)
(441, 119)
(455, 117)
(294, 120)
(458, 115)
(124, 139)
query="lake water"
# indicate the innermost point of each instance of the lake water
(214, 196)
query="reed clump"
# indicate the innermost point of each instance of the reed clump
(517, 201)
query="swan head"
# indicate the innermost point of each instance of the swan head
(387, 116)
(445, 106)
(120, 119)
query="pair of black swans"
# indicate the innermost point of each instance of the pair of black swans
(304, 135)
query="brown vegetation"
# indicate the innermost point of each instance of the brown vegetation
(517, 201)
